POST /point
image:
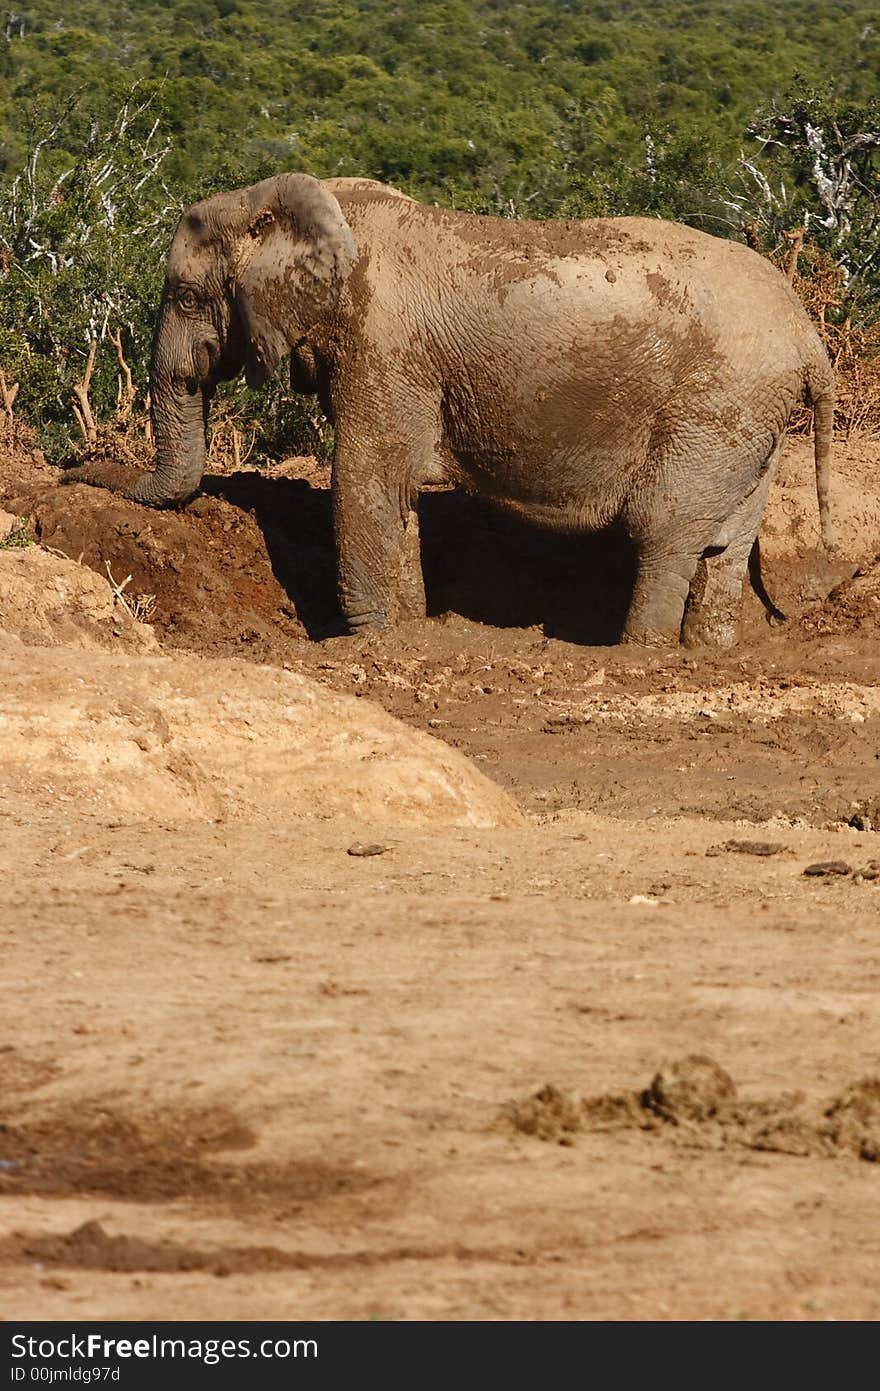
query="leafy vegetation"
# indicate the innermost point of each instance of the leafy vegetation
(745, 117)
(441, 95)
(18, 537)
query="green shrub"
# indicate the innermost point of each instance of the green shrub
(81, 251)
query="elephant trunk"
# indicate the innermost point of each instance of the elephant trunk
(179, 415)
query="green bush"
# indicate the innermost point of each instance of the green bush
(82, 247)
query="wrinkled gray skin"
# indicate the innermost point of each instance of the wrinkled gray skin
(576, 373)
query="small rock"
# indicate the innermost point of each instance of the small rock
(828, 867)
(644, 900)
(373, 849)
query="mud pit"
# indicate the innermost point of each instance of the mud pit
(247, 1073)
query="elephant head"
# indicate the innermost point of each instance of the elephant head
(249, 273)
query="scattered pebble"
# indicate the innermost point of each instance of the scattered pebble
(643, 899)
(373, 849)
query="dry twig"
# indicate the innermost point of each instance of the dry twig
(795, 240)
(82, 408)
(139, 606)
(8, 391)
(126, 390)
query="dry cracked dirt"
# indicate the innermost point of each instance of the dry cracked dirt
(556, 996)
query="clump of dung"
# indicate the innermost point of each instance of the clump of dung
(696, 1100)
(694, 1088)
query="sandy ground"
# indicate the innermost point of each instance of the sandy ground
(619, 1062)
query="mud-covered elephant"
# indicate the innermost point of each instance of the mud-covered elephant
(579, 374)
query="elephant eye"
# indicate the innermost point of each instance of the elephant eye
(188, 299)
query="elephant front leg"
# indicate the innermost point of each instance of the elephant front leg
(378, 550)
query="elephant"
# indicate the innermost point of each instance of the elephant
(580, 374)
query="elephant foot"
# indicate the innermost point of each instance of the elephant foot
(144, 492)
(710, 630)
(648, 637)
(363, 622)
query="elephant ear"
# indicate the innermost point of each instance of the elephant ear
(290, 262)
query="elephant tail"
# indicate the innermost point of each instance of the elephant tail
(820, 384)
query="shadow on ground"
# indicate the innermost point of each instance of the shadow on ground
(477, 561)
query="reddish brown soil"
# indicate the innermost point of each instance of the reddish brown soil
(621, 1063)
(507, 670)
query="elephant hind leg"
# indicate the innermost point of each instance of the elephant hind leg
(694, 545)
(712, 612)
(661, 590)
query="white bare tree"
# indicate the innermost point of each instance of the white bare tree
(817, 168)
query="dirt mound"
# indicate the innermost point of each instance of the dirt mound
(223, 583)
(24, 473)
(185, 737)
(47, 599)
(694, 1101)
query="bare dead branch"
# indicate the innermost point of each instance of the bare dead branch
(126, 390)
(82, 408)
(139, 606)
(8, 391)
(796, 241)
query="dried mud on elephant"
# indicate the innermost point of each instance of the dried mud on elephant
(618, 1062)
